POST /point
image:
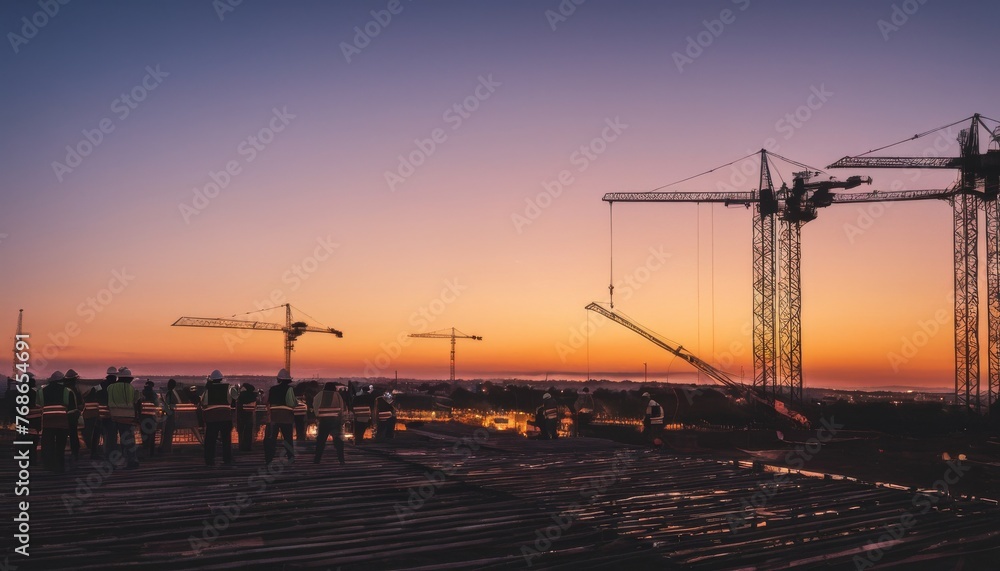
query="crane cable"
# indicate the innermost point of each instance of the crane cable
(917, 136)
(611, 248)
(704, 173)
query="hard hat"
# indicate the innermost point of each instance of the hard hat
(546, 396)
(216, 375)
(56, 376)
(112, 371)
(125, 373)
(646, 396)
(72, 375)
(283, 375)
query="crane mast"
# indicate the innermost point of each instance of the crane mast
(777, 295)
(976, 169)
(443, 334)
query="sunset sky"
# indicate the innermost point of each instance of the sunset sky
(180, 159)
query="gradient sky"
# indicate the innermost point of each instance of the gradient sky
(446, 239)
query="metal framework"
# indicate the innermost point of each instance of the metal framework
(292, 329)
(764, 283)
(777, 279)
(975, 168)
(790, 311)
(703, 366)
(443, 334)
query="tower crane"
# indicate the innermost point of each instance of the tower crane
(703, 366)
(794, 207)
(292, 329)
(444, 334)
(979, 185)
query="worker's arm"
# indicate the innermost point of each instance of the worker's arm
(290, 399)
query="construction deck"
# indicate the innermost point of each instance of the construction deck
(445, 497)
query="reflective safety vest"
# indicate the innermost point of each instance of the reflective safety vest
(550, 411)
(185, 407)
(91, 410)
(54, 399)
(121, 402)
(278, 409)
(329, 405)
(215, 403)
(300, 409)
(362, 413)
(655, 412)
(384, 409)
(149, 409)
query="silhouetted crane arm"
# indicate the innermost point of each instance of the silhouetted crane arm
(898, 163)
(724, 197)
(697, 363)
(896, 195)
(445, 336)
(226, 323)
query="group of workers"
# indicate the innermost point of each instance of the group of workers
(113, 409)
(547, 417)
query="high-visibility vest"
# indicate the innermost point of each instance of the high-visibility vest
(551, 412)
(149, 409)
(362, 413)
(215, 404)
(655, 412)
(55, 406)
(277, 406)
(170, 401)
(300, 409)
(385, 410)
(331, 405)
(91, 410)
(185, 407)
(121, 402)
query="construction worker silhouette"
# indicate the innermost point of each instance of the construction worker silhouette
(330, 412)
(216, 405)
(55, 401)
(280, 409)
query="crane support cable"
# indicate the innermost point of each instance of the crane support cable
(703, 366)
(704, 173)
(917, 136)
